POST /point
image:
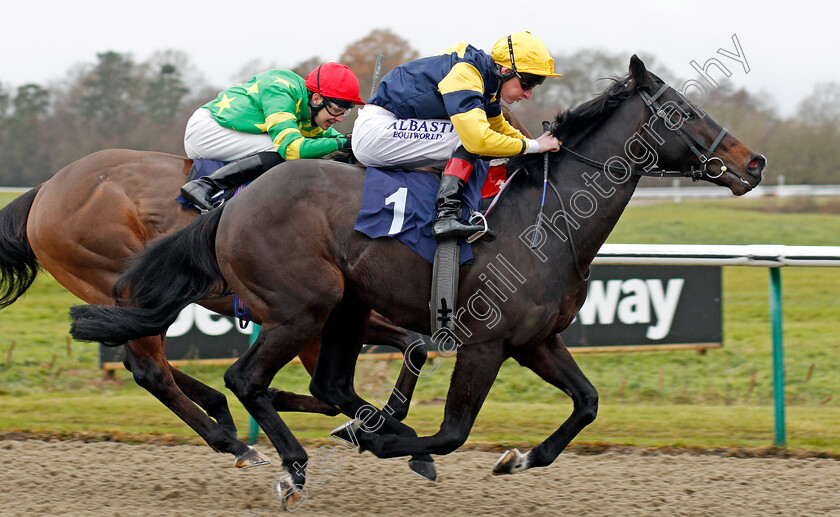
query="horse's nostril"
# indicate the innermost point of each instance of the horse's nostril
(756, 164)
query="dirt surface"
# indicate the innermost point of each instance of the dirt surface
(115, 479)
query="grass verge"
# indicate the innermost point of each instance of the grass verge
(50, 386)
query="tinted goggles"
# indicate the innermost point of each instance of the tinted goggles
(529, 81)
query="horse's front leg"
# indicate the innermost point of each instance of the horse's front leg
(552, 361)
(476, 367)
(332, 381)
(284, 401)
(382, 332)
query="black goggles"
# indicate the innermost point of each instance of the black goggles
(529, 81)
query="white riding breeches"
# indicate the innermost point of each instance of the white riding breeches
(380, 139)
(205, 138)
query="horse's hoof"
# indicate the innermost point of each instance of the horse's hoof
(348, 432)
(425, 469)
(511, 462)
(251, 458)
(291, 496)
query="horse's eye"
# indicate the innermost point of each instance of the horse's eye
(687, 112)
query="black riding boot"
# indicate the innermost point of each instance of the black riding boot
(448, 224)
(201, 191)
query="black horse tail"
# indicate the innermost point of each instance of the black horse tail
(18, 264)
(168, 275)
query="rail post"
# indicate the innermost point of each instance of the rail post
(778, 355)
(254, 428)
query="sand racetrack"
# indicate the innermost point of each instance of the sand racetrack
(115, 479)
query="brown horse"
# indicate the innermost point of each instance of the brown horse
(519, 292)
(86, 222)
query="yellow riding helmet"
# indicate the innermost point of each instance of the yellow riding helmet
(524, 52)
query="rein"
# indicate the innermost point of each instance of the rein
(686, 136)
(546, 127)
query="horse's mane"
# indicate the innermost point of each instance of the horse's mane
(574, 124)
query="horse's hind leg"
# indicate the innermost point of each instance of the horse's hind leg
(341, 342)
(380, 332)
(210, 400)
(288, 401)
(213, 402)
(552, 361)
(248, 378)
(152, 372)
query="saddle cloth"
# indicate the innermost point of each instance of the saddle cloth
(203, 167)
(401, 204)
(414, 194)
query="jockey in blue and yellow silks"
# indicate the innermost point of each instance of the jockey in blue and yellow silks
(274, 116)
(446, 109)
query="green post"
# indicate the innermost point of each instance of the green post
(255, 427)
(778, 354)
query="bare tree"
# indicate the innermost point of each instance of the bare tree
(360, 55)
(115, 102)
(23, 142)
(304, 67)
(822, 106)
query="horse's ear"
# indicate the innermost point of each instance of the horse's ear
(639, 72)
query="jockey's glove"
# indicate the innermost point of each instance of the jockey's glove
(346, 146)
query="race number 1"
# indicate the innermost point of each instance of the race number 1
(398, 199)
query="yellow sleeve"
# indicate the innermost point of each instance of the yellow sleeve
(478, 137)
(500, 124)
(462, 90)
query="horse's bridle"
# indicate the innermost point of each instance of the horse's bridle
(686, 136)
(659, 112)
(705, 157)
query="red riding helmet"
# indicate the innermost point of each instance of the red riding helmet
(334, 81)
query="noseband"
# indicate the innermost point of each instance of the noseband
(705, 157)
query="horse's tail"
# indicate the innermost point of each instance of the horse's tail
(165, 277)
(18, 264)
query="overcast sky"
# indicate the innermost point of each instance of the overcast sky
(789, 46)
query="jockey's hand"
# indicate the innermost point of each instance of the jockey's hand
(548, 142)
(346, 146)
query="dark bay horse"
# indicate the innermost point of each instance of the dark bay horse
(312, 274)
(87, 221)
